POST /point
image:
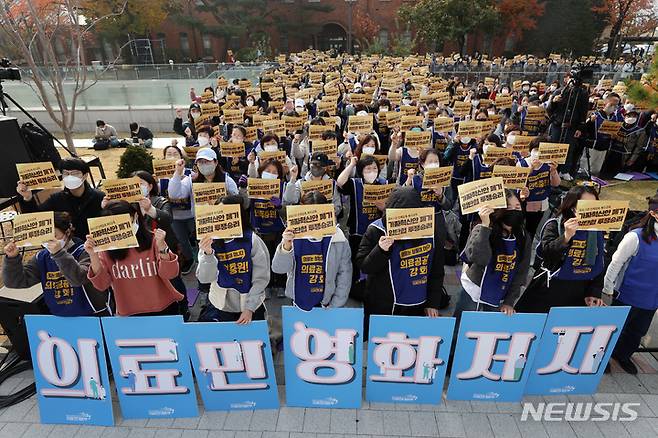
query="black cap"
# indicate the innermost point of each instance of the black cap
(321, 159)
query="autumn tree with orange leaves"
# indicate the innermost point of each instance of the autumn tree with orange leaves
(365, 28)
(35, 28)
(519, 15)
(626, 18)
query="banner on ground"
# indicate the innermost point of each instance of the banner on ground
(208, 193)
(323, 351)
(73, 386)
(112, 232)
(488, 192)
(556, 152)
(407, 358)
(410, 223)
(123, 189)
(33, 229)
(37, 176)
(494, 355)
(514, 177)
(601, 215)
(218, 221)
(315, 221)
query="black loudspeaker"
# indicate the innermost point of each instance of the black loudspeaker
(13, 150)
(12, 318)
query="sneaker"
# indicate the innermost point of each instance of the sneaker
(566, 177)
(627, 365)
(187, 267)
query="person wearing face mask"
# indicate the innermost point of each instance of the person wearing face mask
(188, 129)
(525, 87)
(394, 287)
(631, 274)
(236, 166)
(237, 283)
(457, 154)
(403, 157)
(488, 284)
(319, 164)
(331, 287)
(603, 142)
(383, 131)
(351, 183)
(180, 188)
(626, 148)
(267, 216)
(139, 277)
(542, 177)
(439, 197)
(61, 268)
(78, 198)
(268, 143)
(569, 262)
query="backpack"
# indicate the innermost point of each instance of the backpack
(40, 144)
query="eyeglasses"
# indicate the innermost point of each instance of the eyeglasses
(72, 173)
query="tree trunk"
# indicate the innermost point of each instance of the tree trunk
(68, 137)
(461, 40)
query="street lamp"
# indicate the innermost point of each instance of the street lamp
(350, 5)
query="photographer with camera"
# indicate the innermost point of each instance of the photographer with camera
(141, 135)
(567, 110)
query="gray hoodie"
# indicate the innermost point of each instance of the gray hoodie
(338, 278)
(230, 300)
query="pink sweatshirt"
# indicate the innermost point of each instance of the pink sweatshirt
(140, 281)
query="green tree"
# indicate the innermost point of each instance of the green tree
(438, 21)
(645, 90)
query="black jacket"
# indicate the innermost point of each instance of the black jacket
(143, 133)
(82, 208)
(373, 261)
(163, 220)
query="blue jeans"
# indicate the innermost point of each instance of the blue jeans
(211, 313)
(185, 229)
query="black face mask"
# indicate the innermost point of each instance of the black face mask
(513, 218)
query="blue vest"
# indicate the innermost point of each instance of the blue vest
(461, 157)
(427, 196)
(265, 217)
(499, 273)
(234, 262)
(574, 267)
(364, 215)
(310, 271)
(481, 170)
(409, 265)
(603, 141)
(61, 298)
(539, 181)
(406, 162)
(638, 289)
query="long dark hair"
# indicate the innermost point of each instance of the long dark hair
(571, 199)
(364, 141)
(313, 197)
(144, 234)
(144, 175)
(275, 163)
(497, 231)
(365, 161)
(647, 223)
(220, 174)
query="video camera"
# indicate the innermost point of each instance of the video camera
(582, 74)
(7, 72)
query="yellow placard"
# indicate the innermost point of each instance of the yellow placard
(315, 131)
(191, 151)
(328, 147)
(409, 122)
(259, 188)
(601, 215)
(233, 116)
(112, 232)
(522, 141)
(33, 229)
(608, 127)
(410, 223)
(514, 177)
(324, 186)
(38, 175)
(488, 192)
(436, 177)
(503, 101)
(362, 124)
(494, 153)
(358, 99)
(461, 109)
(279, 156)
(208, 193)
(418, 140)
(164, 168)
(390, 118)
(553, 152)
(218, 221)
(210, 109)
(276, 126)
(444, 124)
(229, 149)
(471, 128)
(316, 221)
(373, 193)
(124, 189)
(293, 123)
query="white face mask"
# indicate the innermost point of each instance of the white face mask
(532, 93)
(511, 139)
(629, 107)
(62, 243)
(369, 150)
(271, 148)
(432, 166)
(207, 168)
(475, 103)
(383, 109)
(135, 226)
(406, 101)
(72, 182)
(250, 102)
(491, 112)
(145, 190)
(466, 140)
(203, 140)
(268, 175)
(195, 115)
(655, 228)
(630, 120)
(370, 176)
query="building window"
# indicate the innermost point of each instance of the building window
(383, 37)
(207, 45)
(184, 43)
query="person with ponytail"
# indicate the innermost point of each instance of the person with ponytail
(497, 259)
(238, 271)
(62, 270)
(631, 274)
(319, 270)
(570, 261)
(140, 277)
